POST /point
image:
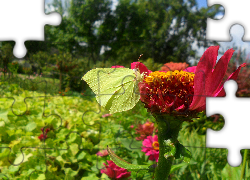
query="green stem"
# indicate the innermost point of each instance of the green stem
(168, 127)
(244, 165)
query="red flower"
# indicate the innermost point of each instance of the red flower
(144, 130)
(42, 137)
(47, 130)
(151, 147)
(114, 171)
(185, 92)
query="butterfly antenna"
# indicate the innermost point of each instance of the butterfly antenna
(140, 57)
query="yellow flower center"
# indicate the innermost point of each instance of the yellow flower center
(155, 145)
(176, 77)
(166, 88)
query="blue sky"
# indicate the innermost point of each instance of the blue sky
(202, 3)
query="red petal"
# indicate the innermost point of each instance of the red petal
(220, 92)
(202, 74)
(141, 67)
(219, 72)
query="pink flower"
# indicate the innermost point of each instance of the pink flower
(132, 126)
(115, 172)
(102, 153)
(106, 115)
(190, 69)
(151, 147)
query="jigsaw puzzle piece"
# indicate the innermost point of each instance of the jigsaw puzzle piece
(219, 29)
(26, 16)
(234, 142)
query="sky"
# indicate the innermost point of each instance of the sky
(202, 3)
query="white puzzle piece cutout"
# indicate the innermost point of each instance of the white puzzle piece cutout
(235, 134)
(23, 20)
(236, 12)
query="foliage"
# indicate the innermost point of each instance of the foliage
(80, 136)
(203, 122)
(163, 31)
(13, 67)
(150, 64)
(39, 60)
(65, 63)
(6, 56)
(31, 83)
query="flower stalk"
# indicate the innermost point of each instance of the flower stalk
(168, 128)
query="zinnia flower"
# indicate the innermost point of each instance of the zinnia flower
(144, 130)
(115, 172)
(171, 66)
(151, 147)
(185, 92)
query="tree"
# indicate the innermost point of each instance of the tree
(6, 55)
(65, 63)
(39, 60)
(86, 15)
(162, 30)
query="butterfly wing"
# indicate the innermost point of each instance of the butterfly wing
(115, 89)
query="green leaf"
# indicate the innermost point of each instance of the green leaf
(124, 164)
(132, 145)
(170, 149)
(81, 155)
(13, 169)
(230, 172)
(31, 126)
(3, 114)
(177, 150)
(183, 153)
(177, 166)
(41, 177)
(70, 173)
(22, 158)
(74, 148)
